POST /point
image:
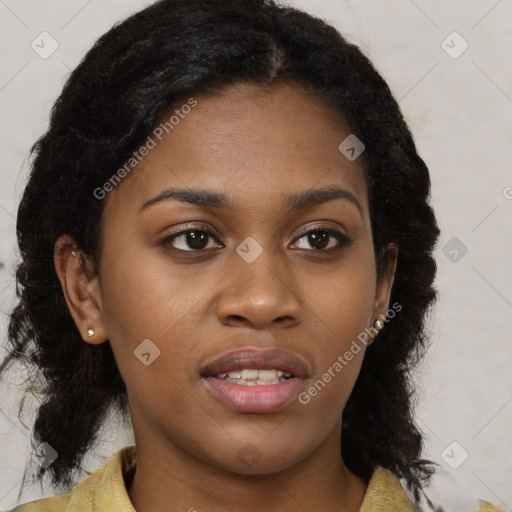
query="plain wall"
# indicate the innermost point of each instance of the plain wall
(458, 106)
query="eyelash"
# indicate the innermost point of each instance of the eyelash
(343, 240)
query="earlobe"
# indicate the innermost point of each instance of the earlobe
(385, 282)
(80, 289)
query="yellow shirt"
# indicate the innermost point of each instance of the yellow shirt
(105, 490)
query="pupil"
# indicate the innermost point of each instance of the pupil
(196, 239)
(317, 236)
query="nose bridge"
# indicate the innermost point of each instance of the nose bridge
(260, 289)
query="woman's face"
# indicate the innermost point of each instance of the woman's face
(247, 276)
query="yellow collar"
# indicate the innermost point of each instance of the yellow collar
(105, 490)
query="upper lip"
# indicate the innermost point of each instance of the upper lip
(257, 359)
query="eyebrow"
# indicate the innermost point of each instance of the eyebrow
(217, 200)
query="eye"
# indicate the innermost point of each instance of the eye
(319, 239)
(195, 239)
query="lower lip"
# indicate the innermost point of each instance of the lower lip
(256, 399)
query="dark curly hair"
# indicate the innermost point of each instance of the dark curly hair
(128, 80)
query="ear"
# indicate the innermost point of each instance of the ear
(385, 282)
(80, 286)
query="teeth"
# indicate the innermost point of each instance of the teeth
(249, 374)
(243, 382)
(265, 382)
(251, 377)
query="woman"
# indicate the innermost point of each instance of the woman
(227, 234)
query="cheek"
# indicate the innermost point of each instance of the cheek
(152, 302)
(344, 313)
(147, 298)
(347, 301)
(149, 311)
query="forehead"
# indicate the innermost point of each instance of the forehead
(251, 143)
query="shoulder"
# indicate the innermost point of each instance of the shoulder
(384, 493)
(53, 504)
(104, 489)
(387, 491)
(485, 506)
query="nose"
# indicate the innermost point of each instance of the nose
(259, 295)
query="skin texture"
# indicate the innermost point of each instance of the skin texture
(257, 146)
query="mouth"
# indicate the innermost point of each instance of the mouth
(254, 377)
(255, 381)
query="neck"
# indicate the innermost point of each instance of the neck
(167, 475)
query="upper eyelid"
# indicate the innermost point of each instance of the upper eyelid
(329, 230)
(188, 229)
(209, 232)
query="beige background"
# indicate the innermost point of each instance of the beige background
(459, 110)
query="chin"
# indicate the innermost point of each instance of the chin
(251, 461)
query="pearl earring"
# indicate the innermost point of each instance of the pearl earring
(90, 333)
(378, 325)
